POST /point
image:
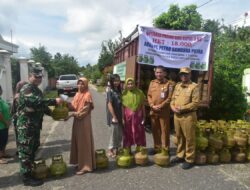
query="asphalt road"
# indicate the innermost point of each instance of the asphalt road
(56, 137)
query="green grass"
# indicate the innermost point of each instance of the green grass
(51, 94)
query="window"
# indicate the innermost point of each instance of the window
(68, 77)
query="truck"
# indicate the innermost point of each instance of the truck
(67, 84)
(127, 60)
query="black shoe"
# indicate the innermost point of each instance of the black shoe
(187, 165)
(177, 160)
(30, 181)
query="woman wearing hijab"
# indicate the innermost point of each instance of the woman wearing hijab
(82, 143)
(134, 115)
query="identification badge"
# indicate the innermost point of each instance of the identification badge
(163, 92)
(163, 95)
(170, 88)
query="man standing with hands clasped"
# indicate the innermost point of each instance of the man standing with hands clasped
(184, 104)
(159, 96)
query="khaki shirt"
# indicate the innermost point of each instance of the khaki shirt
(159, 93)
(186, 96)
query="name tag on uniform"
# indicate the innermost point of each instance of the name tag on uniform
(163, 95)
(163, 92)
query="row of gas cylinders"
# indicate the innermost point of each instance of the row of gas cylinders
(222, 142)
(225, 155)
(219, 134)
(125, 159)
(57, 168)
(215, 136)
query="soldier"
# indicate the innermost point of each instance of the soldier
(31, 108)
(184, 104)
(159, 96)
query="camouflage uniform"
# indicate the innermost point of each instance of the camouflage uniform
(31, 108)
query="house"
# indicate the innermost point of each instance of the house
(6, 50)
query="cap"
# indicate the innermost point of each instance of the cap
(185, 70)
(37, 71)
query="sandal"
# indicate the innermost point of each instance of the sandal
(114, 153)
(3, 161)
(81, 172)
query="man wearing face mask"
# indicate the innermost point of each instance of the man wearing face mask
(184, 104)
(31, 108)
(159, 96)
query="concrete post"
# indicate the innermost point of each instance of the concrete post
(6, 76)
(24, 68)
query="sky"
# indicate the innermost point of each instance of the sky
(78, 27)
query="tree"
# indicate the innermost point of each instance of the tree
(65, 64)
(186, 18)
(107, 54)
(41, 55)
(95, 74)
(232, 56)
(211, 26)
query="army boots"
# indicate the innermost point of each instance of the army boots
(28, 180)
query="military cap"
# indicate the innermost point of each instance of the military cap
(185, 70)
(37, 70)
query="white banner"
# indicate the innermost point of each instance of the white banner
(174, 48)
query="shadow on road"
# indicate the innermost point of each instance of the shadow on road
(57, 142)
(10, 181)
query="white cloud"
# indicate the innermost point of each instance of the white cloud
(83, 20)
(98, 22)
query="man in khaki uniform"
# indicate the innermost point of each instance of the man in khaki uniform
(159, 96)
(184, 104)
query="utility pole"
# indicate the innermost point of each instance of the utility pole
(11, 40)
(245, 15)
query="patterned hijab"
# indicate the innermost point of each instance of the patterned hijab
(134, 98)
(81, 98)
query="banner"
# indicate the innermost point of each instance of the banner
(174, 48)
(120, 69)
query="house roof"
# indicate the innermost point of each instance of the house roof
(5, 45)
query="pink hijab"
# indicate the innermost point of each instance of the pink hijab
(81, 98)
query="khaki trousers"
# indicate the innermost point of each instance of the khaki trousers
(185, 134)
(161, 131)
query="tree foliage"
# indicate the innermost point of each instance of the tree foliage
(92, 72)
(107, 54)
(232, 56)
(211, 26)
(186, 18)
(65, 64)
(41, 55)
(57, 65)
